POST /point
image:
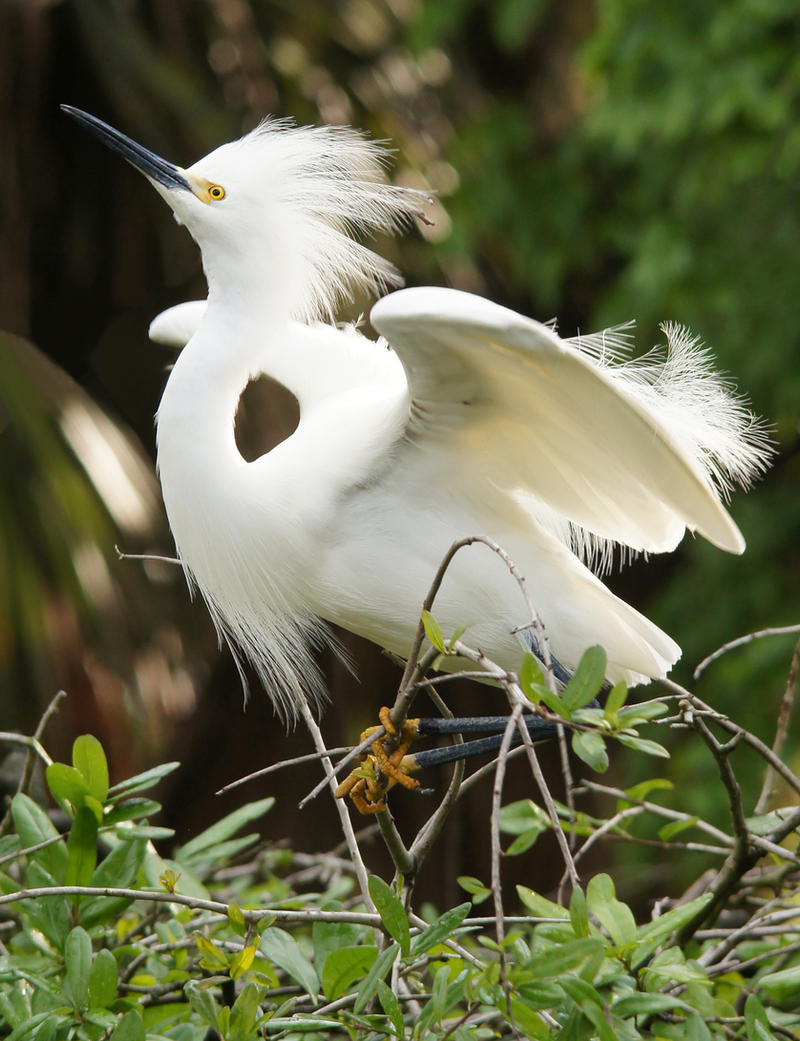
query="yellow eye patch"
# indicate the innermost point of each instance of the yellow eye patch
(205, 191)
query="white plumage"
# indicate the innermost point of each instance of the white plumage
(466, 418)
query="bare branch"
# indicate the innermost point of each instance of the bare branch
(784, 715)
(740, 641)
(341, 809)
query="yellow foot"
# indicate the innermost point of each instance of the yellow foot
(380, 769)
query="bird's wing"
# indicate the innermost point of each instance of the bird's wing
(177, 325)
(517, 408)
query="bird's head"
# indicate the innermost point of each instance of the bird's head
(276, 211)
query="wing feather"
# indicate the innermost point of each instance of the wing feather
(543, 421)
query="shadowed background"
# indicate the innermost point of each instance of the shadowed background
(590, 162)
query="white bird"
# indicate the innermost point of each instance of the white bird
(464, 418)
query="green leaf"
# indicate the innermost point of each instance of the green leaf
(344, 967)
(756, 1022)
(517, 818)
(642, 790)
(440, 930)
(24, 1029)
(540, 906)
(283, 950)
(525, 1018)
(641, 744)
(212, 957)
(224, 828)
(203, 1003)
(89, 760)
(645, 1005)
(524, 842)
(34, 826)
(78, 958)
(590, 1002)
(224, 1022)
(103, 978)
(674, 828)
(393, 914)
(589, 746)
(782, 986)
(236, 919)
(438, 1001)
(697, 1030)
(587, 680)
(122, 865)
(763, 825)
(129, 1028)
(391, 1006)
(141, 782)
(380, 969)
(245, 1013)
(118, 869)
(617, 697)
(67, 784)
(130, 810)
(330, 936)
(612, 914)
(652, 934)
(242, 962)
(82, 848)
(566, 957)
(474, 886)
(433, 631)
(578, 914)
(531, 678)
(52, 915)
(632, 715)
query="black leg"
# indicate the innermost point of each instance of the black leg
(539, 729)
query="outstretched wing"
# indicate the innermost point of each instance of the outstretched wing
(516, 409)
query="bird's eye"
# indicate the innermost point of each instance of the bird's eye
(216, 192)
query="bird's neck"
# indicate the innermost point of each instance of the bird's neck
(199, 463)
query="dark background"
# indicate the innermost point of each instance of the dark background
(591, 162)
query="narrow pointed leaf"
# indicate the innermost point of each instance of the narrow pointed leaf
(433, 631)
(587, 680)
(82, 848)
(103, 978)
(379, 971)
(283, 950)
(393, 914)
(78, 958)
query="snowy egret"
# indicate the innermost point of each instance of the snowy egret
(464, 418)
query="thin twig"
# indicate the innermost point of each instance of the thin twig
(763, 750)
(781, 730)
(196, 903)
(283, 764)
(744, 855)
(148, 557)
(351, 756)
(341, 809)
(35, 748)
(430, 830)
(740, 641)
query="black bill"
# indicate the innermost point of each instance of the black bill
(143, 159)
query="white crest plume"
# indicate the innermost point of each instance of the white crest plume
(311, 190)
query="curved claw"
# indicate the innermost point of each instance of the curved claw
(379, 770)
